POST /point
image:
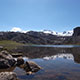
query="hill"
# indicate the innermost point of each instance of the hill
(34, 37)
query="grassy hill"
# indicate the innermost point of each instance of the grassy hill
(8, 44)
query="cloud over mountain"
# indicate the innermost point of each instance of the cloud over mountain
(17, 29)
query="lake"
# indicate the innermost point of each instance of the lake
(59, 62)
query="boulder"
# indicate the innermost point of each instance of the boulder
(8, 76)
(6, 60)
(20, 61)
(4, 54)
(4, 64)
(31, 67)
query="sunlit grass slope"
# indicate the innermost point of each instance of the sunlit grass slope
(7, 44)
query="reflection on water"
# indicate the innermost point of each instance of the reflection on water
(58, 46)
(65, 56)
(40, 52)
(58, 63)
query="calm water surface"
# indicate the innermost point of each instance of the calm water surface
(60, 62)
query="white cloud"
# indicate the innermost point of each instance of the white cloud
(17, 29)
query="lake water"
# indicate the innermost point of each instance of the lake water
(59, 62)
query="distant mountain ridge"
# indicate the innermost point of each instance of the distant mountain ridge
(65, 33)
(32, 37)
(43, 37)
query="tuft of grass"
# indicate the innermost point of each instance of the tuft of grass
(8, 44)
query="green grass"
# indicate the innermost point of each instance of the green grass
(7, 44)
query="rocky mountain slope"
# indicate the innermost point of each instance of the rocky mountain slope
(65, 33)
(30, 37)
(44, 37)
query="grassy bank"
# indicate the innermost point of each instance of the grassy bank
(7, 44)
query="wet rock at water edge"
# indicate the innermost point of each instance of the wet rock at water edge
(20, 61)
(8, 76)
(31, 67)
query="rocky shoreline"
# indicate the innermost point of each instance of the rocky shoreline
(7, 61)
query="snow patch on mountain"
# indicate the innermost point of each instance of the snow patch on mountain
(65, 33)
(49, 32)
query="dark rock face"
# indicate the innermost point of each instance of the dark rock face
(6, 60)
(75, 39)
(76, 31)
(8, 76)
(6, 63)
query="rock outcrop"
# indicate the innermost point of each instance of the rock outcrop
(75, 39)
(31, 37)
(31, 67)
(8, 76)
(6, 60)
(76, 31)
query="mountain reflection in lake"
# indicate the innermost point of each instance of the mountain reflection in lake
(58, 63)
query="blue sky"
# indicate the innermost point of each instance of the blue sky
(57, 15)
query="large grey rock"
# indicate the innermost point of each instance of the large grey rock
(8, 76)
(6, 60)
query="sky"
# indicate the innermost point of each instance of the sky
(56, 15)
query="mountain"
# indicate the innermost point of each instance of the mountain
(75, 38)
(49, 32)
(76, 31)
(65, 33)
(43, 37)
(32, 37)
